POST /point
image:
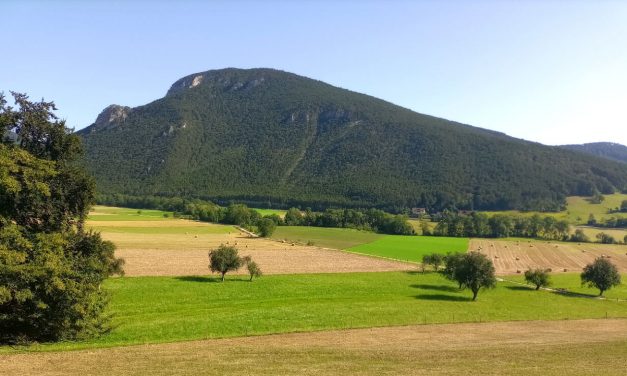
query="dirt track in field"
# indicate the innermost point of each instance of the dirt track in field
(512, 256)
(582, 347)
(187, 254)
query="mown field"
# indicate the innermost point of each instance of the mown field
(338, 238)
(535, 348)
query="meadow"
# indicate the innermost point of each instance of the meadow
(171, 309)
(578, 208)
(572, 283)
(411, 248)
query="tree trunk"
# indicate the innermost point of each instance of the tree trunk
(474, 295)
(251, 278)
(537, 287)
(601, 293)
(223, 276)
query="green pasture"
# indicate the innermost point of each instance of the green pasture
(264, 212)
(591, 232)
(578, 209)
(168, 309)
(572, 283)
(338, 238)
(411, 248)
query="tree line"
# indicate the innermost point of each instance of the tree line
(241, 215)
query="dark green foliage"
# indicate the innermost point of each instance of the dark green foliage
(451, 267)
(579, 237)
(50, 269)
(434, 259)
(605, 238)
(224, 259)
(538, 277)
(293, 217)
(253, 269)
(371, 220)
(480, 225)
(623, 206)
(266, 227)
(601, 274)
(262, 136)
(471, 270)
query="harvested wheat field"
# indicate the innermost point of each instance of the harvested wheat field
(509, 257)
(179, 248)
(575, 347)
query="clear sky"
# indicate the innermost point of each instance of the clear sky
(548, 71)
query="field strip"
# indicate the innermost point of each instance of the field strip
(570, 347)
(512, 257)
(160, 258)
(561, 291)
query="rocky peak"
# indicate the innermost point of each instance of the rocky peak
(229, 79)
(112, 115)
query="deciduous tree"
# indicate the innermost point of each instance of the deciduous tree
(601, 274)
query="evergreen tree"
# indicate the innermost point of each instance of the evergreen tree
(51, 269)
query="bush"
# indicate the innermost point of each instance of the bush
(538, 277)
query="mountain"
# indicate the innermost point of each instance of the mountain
(269, 137)
(609, 150)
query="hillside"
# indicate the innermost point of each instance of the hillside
(274, 138)
(609, 150)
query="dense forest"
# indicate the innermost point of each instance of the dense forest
(609, 150)
(274, 139)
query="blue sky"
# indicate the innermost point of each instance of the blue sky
(548, 71)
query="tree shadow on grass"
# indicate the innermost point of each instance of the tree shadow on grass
(436, 287)
(443, 297)
(208, 279)
(520, 288)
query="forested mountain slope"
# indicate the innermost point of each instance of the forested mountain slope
(609, 150)
(270, 137)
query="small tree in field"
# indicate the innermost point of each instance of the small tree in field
(224, 259)
(266, 227)
(538, 277)
(253, 270)
(601, 274)
(474, 271)
(434, 260)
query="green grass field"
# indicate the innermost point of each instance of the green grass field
(168, 309)
(338, 238)
(579, 208)
(280, 213)
(572, 282)
(411, 248)
(591, 232)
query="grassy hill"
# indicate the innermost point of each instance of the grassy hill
(265, 137)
